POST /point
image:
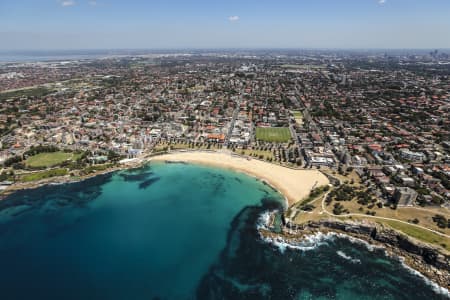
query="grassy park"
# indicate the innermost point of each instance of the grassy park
(273, 134)
(43, 175)
(50, 159)
(261, 154)
(420, 234)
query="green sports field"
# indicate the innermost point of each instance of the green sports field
(50, 159)
(273, 134)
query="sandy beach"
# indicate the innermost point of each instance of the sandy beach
(293, 184)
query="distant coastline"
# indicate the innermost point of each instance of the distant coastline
(61, 55)
(28, 56)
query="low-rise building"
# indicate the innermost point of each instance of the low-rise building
(405, 196)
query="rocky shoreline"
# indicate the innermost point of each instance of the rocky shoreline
(429, 261)
(66, 179)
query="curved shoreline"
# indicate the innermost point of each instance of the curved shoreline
(278, 177)
(291, 183)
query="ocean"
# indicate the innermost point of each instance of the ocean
(59, 55)
(178, 231)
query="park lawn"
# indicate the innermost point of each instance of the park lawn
(43, 175)
(50, 159)
(96, 168)
(273, 134)
(420, 234)
(182, 146)
(250, 152)
(414, 232)
(410, 230)
(297, 114)
(401, 213)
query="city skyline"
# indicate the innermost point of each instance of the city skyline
(369, 24)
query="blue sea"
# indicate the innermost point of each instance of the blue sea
(177, 231)
(59, 55)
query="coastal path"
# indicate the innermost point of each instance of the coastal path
(379, 218)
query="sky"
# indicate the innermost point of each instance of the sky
(149, 24)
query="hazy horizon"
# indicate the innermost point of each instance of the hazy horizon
(220, 49)
(201, 24)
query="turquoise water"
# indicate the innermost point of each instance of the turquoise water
(175, 231)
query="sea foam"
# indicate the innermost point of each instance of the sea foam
(314, 241)
(309, 243)
(347, 257)
(436, 288)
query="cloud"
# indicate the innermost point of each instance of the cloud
(233, 18)
(381, 2)
(67, 3)
(92, 3)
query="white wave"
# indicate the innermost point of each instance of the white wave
(56, 183)
(369, 246)
(349, 258)
(308, 243)
(436, 287)
(264, 220)
(312, 242)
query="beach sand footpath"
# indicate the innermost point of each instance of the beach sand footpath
(293, 184)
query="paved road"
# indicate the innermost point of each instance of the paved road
(233, 120)
(293, 134)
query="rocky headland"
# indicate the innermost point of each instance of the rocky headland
(432, 262)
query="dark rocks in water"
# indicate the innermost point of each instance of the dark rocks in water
(136, 177)
(248, 268)
(242, 271)
(148, 182)
(283, 219)
(271, 204)
(255, 270)
(22, 211)
(373, 234)
(80, 193)
(264, 191)
(214, 285)
(390, 237)
(424, 258)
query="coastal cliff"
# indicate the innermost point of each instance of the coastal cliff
(426, 259)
